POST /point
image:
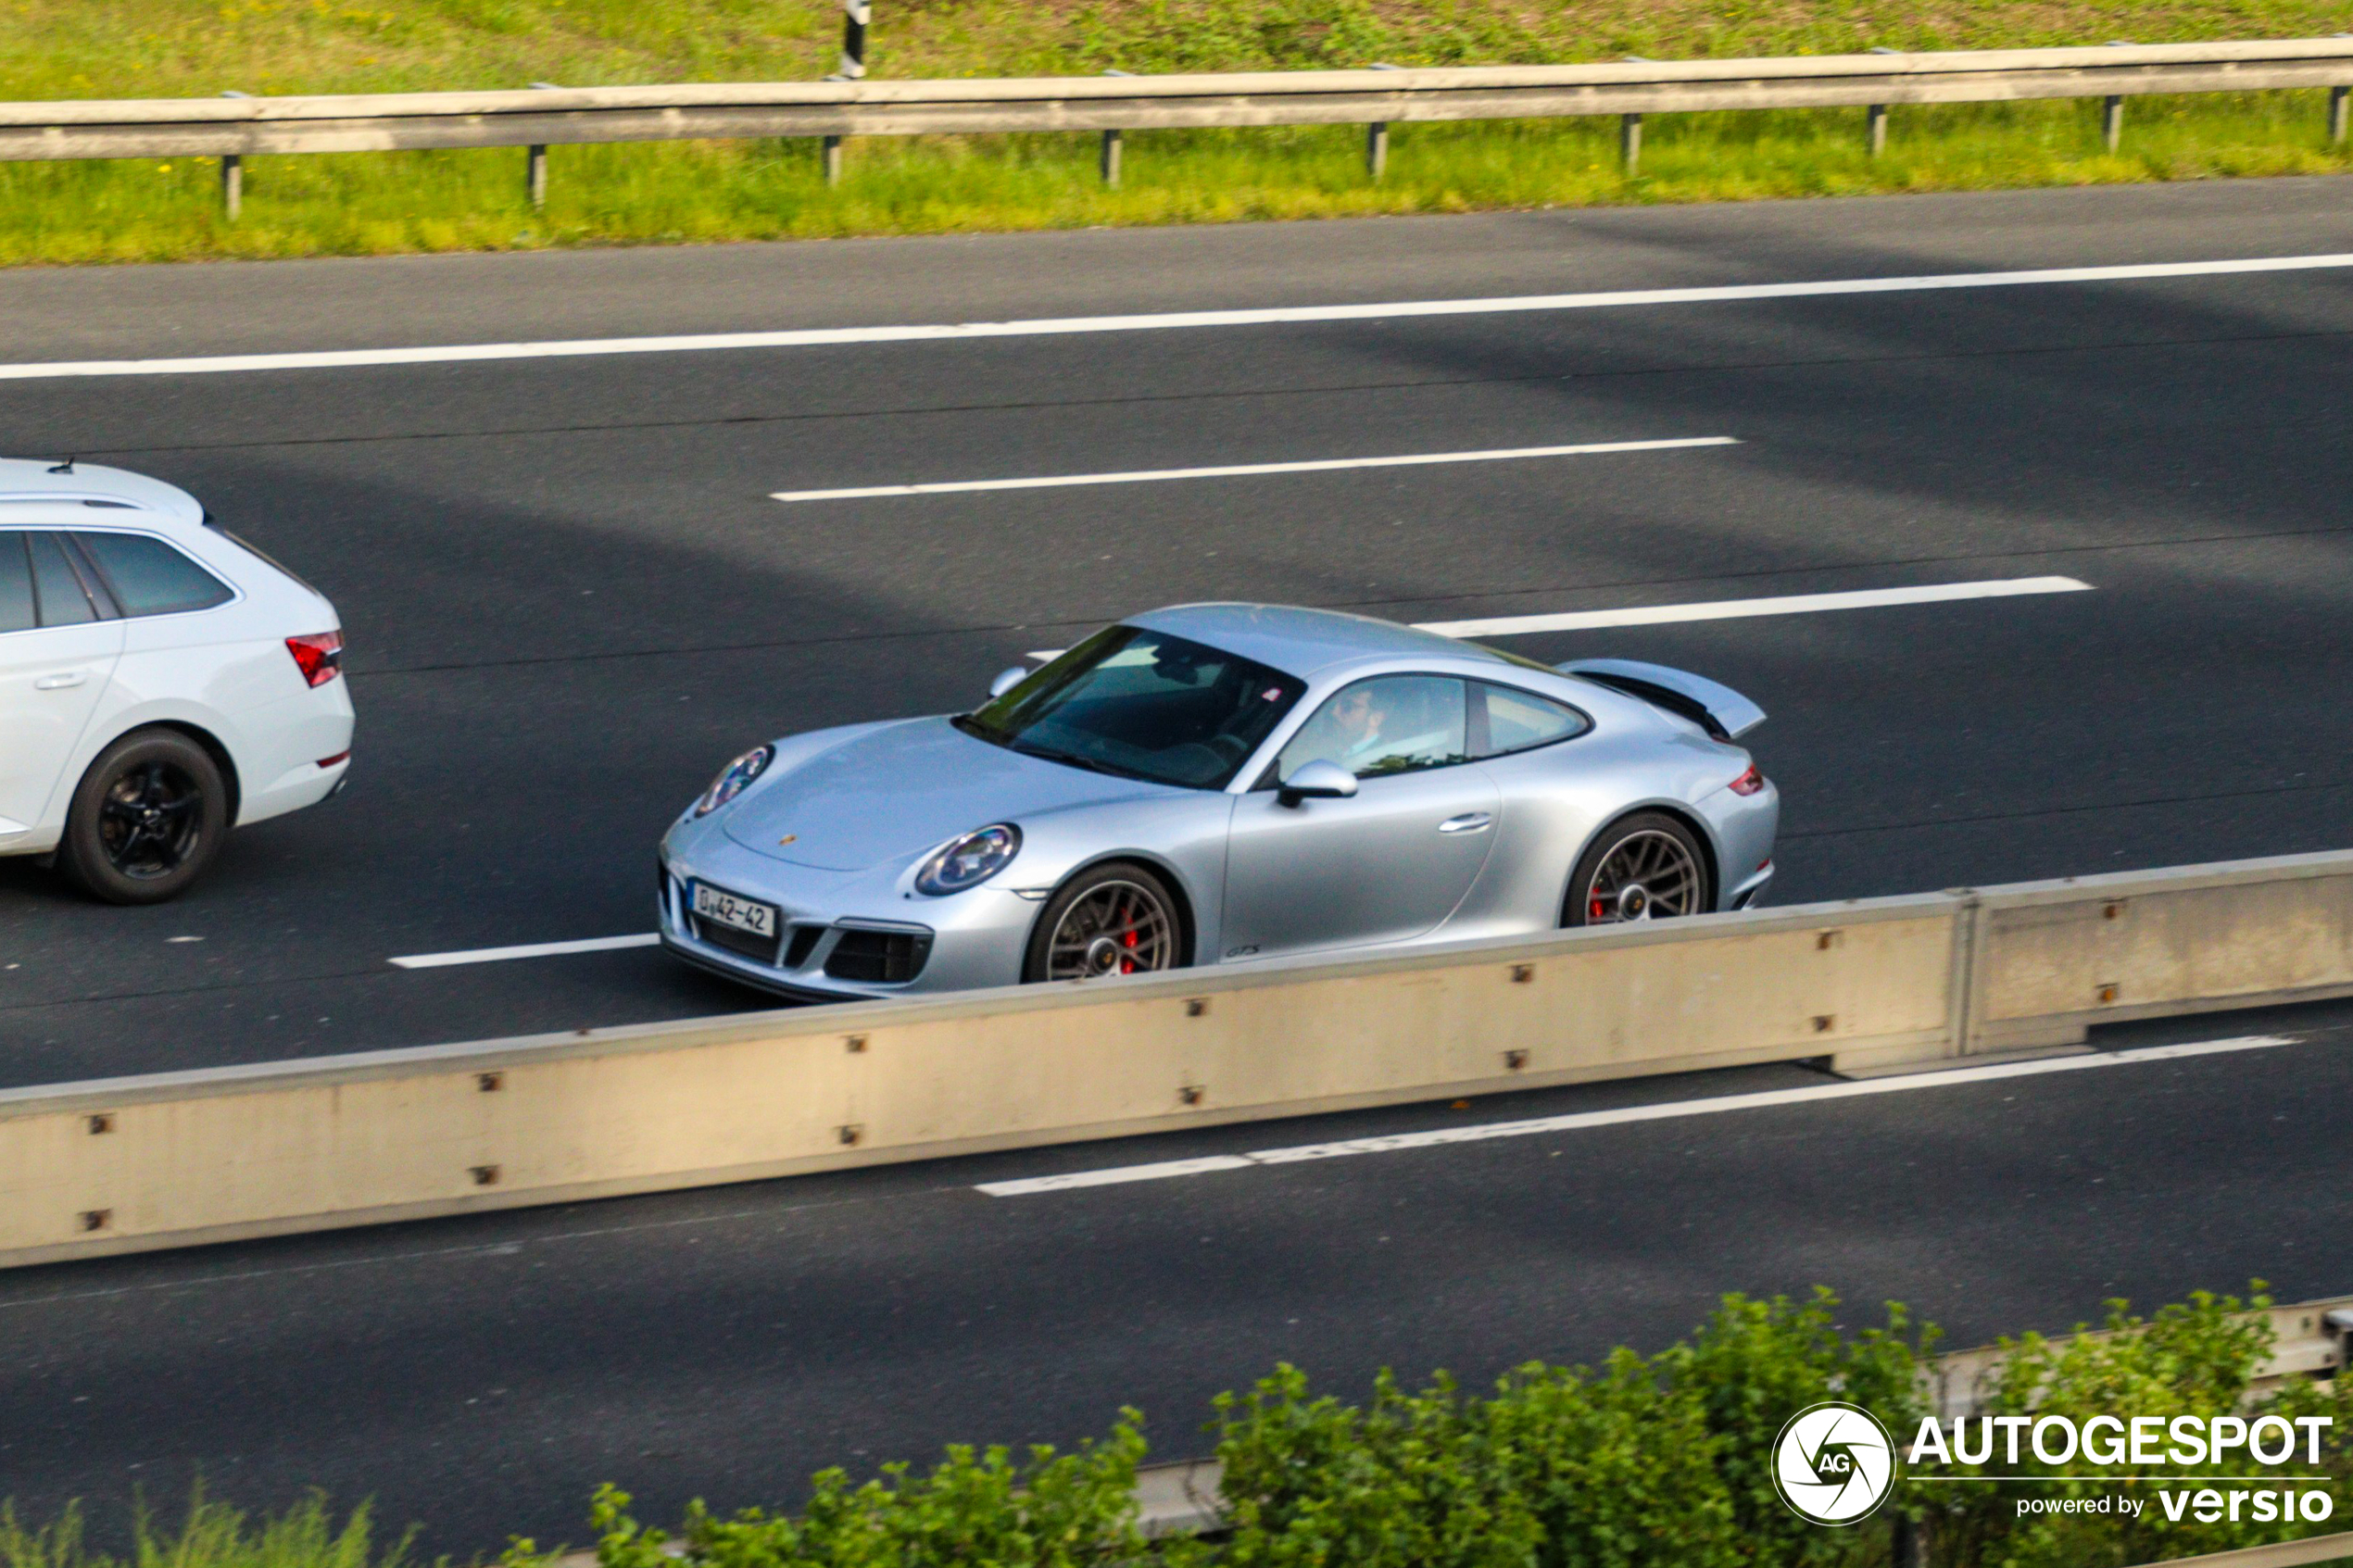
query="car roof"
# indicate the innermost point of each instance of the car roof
(1300, 641)
(32, 490)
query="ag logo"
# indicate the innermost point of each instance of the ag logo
(1833, 1463)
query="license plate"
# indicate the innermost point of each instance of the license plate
(728, 909)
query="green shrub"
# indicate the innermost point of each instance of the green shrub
(1755, 1364)
(2193, 1359)
(1556, 1466)
(975, 1510)
(1643, 1461)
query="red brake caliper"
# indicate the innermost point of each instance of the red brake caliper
(1127, 966)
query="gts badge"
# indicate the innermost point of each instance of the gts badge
(1241, 952)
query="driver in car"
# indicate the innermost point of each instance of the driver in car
(1358, 719)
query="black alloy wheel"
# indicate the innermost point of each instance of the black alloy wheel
(146, 819)
(1647, 867)
(1112, 919)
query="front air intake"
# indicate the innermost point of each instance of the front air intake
(879, 957)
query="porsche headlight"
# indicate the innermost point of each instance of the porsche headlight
(735, 778)
(970, 860)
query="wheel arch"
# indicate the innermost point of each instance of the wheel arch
(1188, 919)
(1711, 853)
(212, 746)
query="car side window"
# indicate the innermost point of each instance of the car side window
(1386, 724)
(16, 585)
(1505, 719)
(148, 577)
(56, 587)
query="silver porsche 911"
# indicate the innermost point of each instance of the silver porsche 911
(1220, 784)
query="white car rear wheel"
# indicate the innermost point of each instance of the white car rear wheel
(146, 819)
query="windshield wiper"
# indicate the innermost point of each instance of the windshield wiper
(979, 731)
(1049, 754)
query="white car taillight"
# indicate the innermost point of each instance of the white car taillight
(319, 656)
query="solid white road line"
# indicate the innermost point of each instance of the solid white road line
(1675, 1109)
(1321, 465)
(530, 950)
(1736, 609)
(344, 359)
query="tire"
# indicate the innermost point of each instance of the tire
(1648, 866)
(1116, 918)
(146, 819)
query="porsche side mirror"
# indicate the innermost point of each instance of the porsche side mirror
(1316, 781)
(1007, 680)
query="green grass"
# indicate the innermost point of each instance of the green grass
(211, 1535)
(137, 210)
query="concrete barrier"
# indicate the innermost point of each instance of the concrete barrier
(2055, 956)
(173, 1158)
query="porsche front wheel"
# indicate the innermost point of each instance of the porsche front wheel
(1112, 919)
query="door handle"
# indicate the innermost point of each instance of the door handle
(1469, 821)
(60, 682)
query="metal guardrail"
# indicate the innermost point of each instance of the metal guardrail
(2285, 1554)
(1869, 986)
(2310, 1339)
(233, 127)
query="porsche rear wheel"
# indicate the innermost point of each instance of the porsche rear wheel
(1647, 867)
(1112, 919)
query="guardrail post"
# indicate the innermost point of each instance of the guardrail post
(1630, 142)
(233, 174)
(2112, 121)
(2338, 96)
(1376, 134)
(1111, 144)
(535, 163)
(1909, 1548)
(1875, 121)
(833, 160)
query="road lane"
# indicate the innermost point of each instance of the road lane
(570, 599)
(561, 624)
(481, 1376)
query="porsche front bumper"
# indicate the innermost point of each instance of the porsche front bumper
(843, 937)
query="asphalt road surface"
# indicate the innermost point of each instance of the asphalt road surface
(569, 597)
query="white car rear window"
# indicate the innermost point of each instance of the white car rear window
(148, 577)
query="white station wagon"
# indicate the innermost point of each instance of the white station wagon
(160, 681)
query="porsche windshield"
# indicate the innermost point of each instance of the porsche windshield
(1143, 705)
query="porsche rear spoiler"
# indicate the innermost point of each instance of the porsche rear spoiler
(1718, 710)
